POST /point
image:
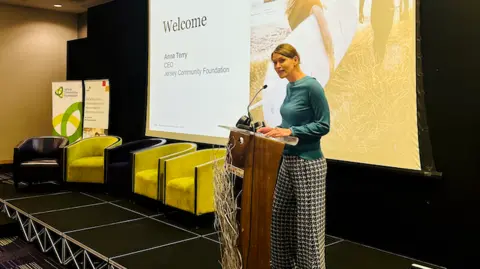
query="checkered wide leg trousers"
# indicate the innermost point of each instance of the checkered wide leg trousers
(298, 220)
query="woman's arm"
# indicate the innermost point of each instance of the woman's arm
(360, 12)
(321, 125)
(326, 35)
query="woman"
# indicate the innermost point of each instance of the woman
(298, 220)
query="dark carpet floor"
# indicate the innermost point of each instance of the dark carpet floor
(17, 253)
(5, 176)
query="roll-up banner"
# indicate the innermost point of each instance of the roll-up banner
(97, 107)
(67, 109)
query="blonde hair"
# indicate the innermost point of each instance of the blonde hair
(287, 50)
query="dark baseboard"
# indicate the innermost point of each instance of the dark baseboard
(5, 168)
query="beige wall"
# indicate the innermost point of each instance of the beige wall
(33, 51)
(82, 25)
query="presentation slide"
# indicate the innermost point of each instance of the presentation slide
(199, 67)
(361, 51)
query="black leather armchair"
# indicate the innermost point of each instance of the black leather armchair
(118, 164)
(39, 159)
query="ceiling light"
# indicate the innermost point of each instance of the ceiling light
(57, 5)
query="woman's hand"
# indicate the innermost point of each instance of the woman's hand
(264, 130)
(279, 132)
(275, 132)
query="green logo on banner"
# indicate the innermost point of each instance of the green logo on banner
(59, 92)
(65, 118)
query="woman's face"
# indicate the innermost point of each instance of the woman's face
(283, 65)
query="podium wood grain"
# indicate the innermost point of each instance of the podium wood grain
(260, 158)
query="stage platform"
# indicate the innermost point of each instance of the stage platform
(92, 230)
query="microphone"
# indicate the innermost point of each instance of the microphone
(245, 122)
(255, 96)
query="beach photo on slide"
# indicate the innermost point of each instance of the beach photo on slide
(363, 53)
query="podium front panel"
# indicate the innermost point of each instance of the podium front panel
(260, 176)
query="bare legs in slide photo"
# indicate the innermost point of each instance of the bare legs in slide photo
(382, 14)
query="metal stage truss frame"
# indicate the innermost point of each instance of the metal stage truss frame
(66, 249)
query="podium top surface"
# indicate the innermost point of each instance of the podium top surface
(288, 140)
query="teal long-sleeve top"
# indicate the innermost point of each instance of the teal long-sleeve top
(305, 111)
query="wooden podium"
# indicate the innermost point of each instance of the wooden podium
(256, 159)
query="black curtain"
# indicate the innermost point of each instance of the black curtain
(116, 49)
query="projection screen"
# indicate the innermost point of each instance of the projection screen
(207, 59)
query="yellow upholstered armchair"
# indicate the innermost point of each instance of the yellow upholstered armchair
(148, 165)
(189, 180)
(84, 160)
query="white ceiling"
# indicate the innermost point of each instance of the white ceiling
(72, 6)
